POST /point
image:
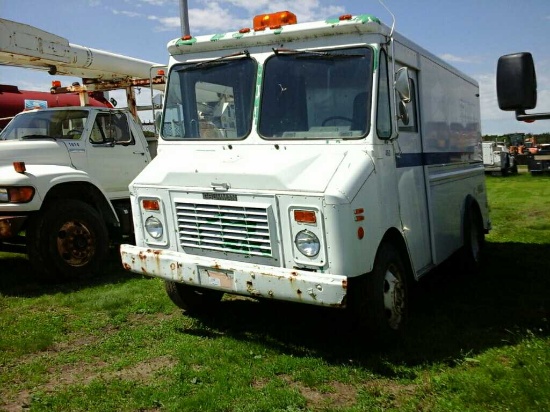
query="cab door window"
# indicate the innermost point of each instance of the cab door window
(383, 111)
(112, 128)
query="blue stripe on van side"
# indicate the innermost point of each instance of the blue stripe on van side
(432, 158)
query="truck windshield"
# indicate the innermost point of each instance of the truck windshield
(210, 100)
(53, 124)
(316, 95)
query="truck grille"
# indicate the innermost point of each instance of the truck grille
(224, 228)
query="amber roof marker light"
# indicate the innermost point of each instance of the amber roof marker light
(274, 20)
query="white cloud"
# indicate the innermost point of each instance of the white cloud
(167, 23)
(127, 13)
(208, 17)
(305, 10)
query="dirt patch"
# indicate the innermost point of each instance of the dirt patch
(84, 373)
(60, 376)
(335, 395)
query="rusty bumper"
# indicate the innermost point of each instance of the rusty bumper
(10, 226)
(237, 277)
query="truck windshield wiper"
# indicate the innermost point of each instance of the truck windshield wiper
(214, 63)
(37, 136)
(305, 54)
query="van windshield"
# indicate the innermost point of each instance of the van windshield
(316, 95)
(210, 100)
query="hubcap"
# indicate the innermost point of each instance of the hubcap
(75, 243)
(394, 298)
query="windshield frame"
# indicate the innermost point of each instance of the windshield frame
(235, 105)
(346, 99)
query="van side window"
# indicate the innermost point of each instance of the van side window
(412, 127)
(383, 110)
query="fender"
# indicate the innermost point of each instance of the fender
(44, 178)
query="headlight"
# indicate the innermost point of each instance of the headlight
(4, 195)
(307, 243)
(153, 226)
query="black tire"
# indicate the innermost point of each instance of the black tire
(192, 299)
(69, 241)
(380, 300)
(474, 240)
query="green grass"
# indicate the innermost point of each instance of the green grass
(119, 344)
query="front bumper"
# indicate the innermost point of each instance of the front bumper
(238, 277)
(10, 226)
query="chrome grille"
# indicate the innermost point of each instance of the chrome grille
(236, 229)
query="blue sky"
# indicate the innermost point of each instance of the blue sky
(469, 34)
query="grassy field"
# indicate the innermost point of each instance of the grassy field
(118, 343)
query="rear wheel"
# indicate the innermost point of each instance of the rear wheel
(381, 297)
(474, 239)
(191, 298)
(68, 241)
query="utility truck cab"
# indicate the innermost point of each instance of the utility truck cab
(328, 163)
(64, 175)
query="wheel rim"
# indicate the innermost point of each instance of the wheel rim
(75, 243)
(394, 298)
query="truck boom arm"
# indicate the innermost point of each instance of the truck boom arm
(22, 45)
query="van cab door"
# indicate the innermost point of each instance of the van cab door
(413, 202)
(115, 154)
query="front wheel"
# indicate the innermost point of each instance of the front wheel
(191, 298)
(70, 241)
(381, 297)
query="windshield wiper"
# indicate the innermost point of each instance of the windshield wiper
(308, 54)
(37, 136)
(214, 63)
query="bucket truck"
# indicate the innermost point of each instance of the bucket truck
(64, 171)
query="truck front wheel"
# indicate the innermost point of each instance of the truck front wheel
(192, 299)
(70, 241)
(380, 300)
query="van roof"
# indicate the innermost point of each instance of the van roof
(244, 38)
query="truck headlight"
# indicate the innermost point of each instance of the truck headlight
(153, 226)
(307, 243)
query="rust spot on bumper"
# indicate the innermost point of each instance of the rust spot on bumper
(344, 284)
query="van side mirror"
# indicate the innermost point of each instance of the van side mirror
(403, 113)
(517, 85)
(402, 84)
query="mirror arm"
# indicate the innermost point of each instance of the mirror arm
(524, 117)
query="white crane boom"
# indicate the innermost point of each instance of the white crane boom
(22, 45)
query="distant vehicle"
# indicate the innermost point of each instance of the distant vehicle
(517, 91)
(13, 101)
(498, 160)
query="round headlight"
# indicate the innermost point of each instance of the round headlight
(307, 243)
(153, 226)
